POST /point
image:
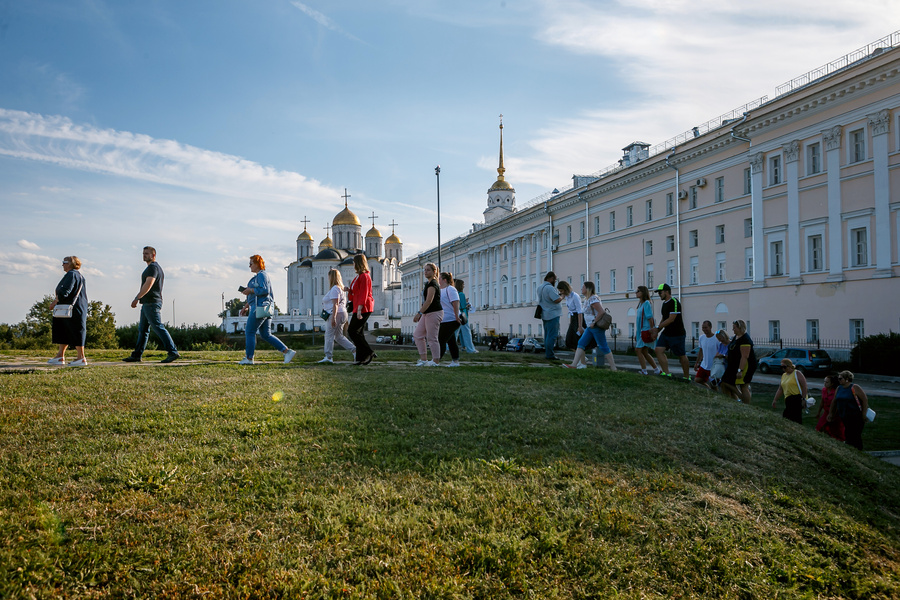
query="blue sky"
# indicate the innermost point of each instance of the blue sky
(209, 129)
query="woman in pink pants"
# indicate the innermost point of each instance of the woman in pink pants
(428, 319)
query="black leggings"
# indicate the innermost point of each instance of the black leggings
(356, 333)
(446, 337)
(793, 408)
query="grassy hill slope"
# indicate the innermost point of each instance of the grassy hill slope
(396, 482)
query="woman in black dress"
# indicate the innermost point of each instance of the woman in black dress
(70, 331)
(741, 364)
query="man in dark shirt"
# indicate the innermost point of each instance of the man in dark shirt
(150, 299)
(671, 332)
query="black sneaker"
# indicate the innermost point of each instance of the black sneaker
(170, 358)
(132, 358)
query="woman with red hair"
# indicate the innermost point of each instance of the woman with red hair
(260, 309)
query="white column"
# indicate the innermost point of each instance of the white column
(792, 172)
(479, 298)
(539, 271)
(526, 296)
(756, 214)
(832, 138)
(880, 124)
(497, 291)
(518, 283)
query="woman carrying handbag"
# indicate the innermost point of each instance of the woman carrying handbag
(646, 335)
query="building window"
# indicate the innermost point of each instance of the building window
(648, 248)
(670, 272)
(812, 331)
(695, 329)
(693, 238)
(775, 170)
(649, 211)
(859, 247)
(774, 331)
(748, 263)
(748, 228)
(582, 230)
(858, 145)
(649, 280)
(670, 243)
(720, 234)
(612, 220)
(720, 189)
(569, 234)
(612, 281)
(695, 270)
(721, 325)
(857, 330)
(814, 254)
(597, 281)
(631, 331)
(596, 225)
(720, 266)
(776, 258)
(748, 181)
(629, 216)
(692, 195)
(630, 276)
(670, 204)
(813, 159)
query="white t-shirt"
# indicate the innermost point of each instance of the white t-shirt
(588, 315)
(448, 296)
(709, 346)
(328, 300)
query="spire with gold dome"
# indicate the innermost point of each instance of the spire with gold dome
(501, 195)
(373, 239)
(304, 242)
(347, 229)
(393, 247)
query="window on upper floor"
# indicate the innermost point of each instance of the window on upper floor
(612, 220)
(693, 238)
(648, 247)
(720, 189)
(720, 234)
(648, 210)
(692, 197)
(813, 158)
(776, 258)
(596, 225)
(582, 230)
(815, 256)
(775, 169)
(858, 145)
(748, 181)
(568, 234)
(670, 204)
(748, 228)
(695, 270)
(629, 216)
(670, 243)
(859, 247)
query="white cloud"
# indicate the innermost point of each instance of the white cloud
(28, 245)
(57, 140)
(27, 263)
(324, 21)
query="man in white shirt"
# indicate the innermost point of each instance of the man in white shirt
(704, 363)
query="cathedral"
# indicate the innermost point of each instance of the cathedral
(307, 277)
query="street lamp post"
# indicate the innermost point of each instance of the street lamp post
(437, 173)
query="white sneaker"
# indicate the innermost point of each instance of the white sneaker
(326, 360)
(429, 363)
(475, 351)
(78, 363)
(420, 363)
(658, 371)
(289, 356)
(57, 361)
(581, 366)
(643, 371)
(453, 363)
(246, 361)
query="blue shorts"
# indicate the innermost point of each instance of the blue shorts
(674, 344)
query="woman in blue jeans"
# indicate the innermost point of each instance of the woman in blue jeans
(593, 310)
(259, 295)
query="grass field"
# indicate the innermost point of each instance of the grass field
(213, 480)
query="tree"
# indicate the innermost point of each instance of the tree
(232, 308)
(101, 326)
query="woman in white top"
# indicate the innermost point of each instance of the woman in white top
(593, 310)
(450, 322)
(335, 304)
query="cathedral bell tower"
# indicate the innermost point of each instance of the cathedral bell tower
(501, 195)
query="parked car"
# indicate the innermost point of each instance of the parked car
(692, 354)
(515, 345)
(806, 361)
(380, 339)
(533, 345)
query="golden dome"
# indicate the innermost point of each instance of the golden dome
(346, 217)
(500, 184)
(393, 239)
(305, 237)
(326, 243)
(374, 233)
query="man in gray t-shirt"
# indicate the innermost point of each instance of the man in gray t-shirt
(150, 299)
(550, 300)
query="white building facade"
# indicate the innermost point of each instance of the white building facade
(784, 214)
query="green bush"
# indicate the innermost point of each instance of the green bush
(186, 337)
(876, 354)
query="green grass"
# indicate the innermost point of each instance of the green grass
(396, 482)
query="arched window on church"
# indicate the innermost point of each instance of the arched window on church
(301, 290)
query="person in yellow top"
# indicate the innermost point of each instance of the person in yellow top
(793, 387)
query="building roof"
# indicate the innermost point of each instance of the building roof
(346, 217)
(393, 239)
(330, 254)
(304, 236)
(373, 233)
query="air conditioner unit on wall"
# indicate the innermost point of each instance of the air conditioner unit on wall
(682, 195)
(701, 182)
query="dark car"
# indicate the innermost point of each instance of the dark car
(806, 361)
(533, 345)
(515, 345)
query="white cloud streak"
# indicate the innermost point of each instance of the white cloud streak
(59, 141)
(27, 263)
(325, 21)
(28, 245)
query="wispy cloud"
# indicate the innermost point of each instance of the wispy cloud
(325, 21)
(28, 245)
(690, 59)
(57, 140)
(26, 263)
